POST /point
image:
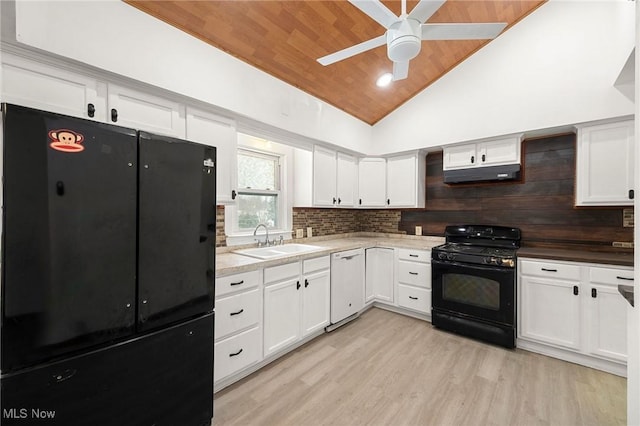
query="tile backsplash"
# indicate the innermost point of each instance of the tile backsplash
(330, 221)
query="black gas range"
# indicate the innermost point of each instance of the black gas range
(474, 281)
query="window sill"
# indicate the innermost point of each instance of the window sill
(243, 238)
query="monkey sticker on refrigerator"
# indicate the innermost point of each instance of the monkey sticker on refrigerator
(66, 140)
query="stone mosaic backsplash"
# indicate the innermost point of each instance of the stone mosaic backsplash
(330, 221)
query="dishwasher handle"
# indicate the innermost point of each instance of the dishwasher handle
(348, 255)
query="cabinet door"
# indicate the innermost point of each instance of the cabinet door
(604, 167)
(401, 181)
(503, 151)
(315, 302)
(324, 177)
(131, 108)
(606, 322)
(281, 315)
(379, 274)
(39, 86)
(460, 157)
(216, 131)
(346, 180)
(550, 311)
(372, 182)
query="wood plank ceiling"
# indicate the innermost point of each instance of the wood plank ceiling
(284, 39)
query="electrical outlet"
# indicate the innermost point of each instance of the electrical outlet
(622, 244)
(299, 233)
(309, 232)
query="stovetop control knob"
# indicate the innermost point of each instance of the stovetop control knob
(498, 261)
(451, 256)
(442, 256)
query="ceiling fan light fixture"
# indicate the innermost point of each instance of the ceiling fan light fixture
(384, 80)
(404, 40)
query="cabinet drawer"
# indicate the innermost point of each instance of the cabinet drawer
(279, 273)
(414, 273)
(415, 255)
(316, 264)
(234, 313)
(237, 282)
(418, 299)
(236, 353)
(611, 276)
(550, 270)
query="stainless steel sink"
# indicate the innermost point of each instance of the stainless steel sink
(278, 251)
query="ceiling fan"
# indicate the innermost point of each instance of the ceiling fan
(405, 33)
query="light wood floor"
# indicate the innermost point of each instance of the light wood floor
(388, 369)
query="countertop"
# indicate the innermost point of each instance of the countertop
(609, 258)
(228, 262)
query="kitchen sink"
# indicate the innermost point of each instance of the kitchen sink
(278, 251)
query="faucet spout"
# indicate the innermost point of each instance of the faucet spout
(266, 237)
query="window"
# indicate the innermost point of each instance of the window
(258, 199)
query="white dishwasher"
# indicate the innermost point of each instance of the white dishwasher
(347, 284)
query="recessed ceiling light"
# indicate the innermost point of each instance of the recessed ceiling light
(384, 80)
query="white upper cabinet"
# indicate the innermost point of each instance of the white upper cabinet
(324, 177)
(405, 181)
(131, 108)
(210, 129)
(501, 151)
(604, 164)
(347, 180)
(372, 181)
(334, 178)
(51, 89)
(494, 152)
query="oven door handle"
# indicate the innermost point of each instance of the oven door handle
(470, 266)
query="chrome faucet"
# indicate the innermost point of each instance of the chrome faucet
(266, 238)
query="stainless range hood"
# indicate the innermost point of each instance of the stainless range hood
(483, 174)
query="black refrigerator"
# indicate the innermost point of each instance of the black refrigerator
(108, 260)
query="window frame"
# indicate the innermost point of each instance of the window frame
(251, 141)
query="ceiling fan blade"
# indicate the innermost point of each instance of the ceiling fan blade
(353, 50)
(400, 70)
(425, 9)
(376, 11)
(478, 31)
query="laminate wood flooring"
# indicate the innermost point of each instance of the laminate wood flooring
(389, 369)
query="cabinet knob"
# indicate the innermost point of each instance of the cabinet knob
(575, 290)
(334, 200)
(233, 194)
(388, 201)
(236, 353)
(631, 194)
(114, 115)
(594, 293)
(91, 110)
(298, 285)
(484, 158)
(473, 159)
(360, 201)
(306, 283)
(339, 200)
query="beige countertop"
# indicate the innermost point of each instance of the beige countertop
(228, 262)
(609, 258)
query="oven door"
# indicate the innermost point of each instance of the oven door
(483, 292)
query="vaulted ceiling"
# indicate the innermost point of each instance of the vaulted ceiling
(285, 39)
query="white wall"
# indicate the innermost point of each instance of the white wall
(557, 67)
(116, 37)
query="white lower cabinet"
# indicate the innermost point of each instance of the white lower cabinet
(379, 263)
(573, 311)
(238, 325)
(296, 302)
(414, 280)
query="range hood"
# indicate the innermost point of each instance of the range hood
(483, 174)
